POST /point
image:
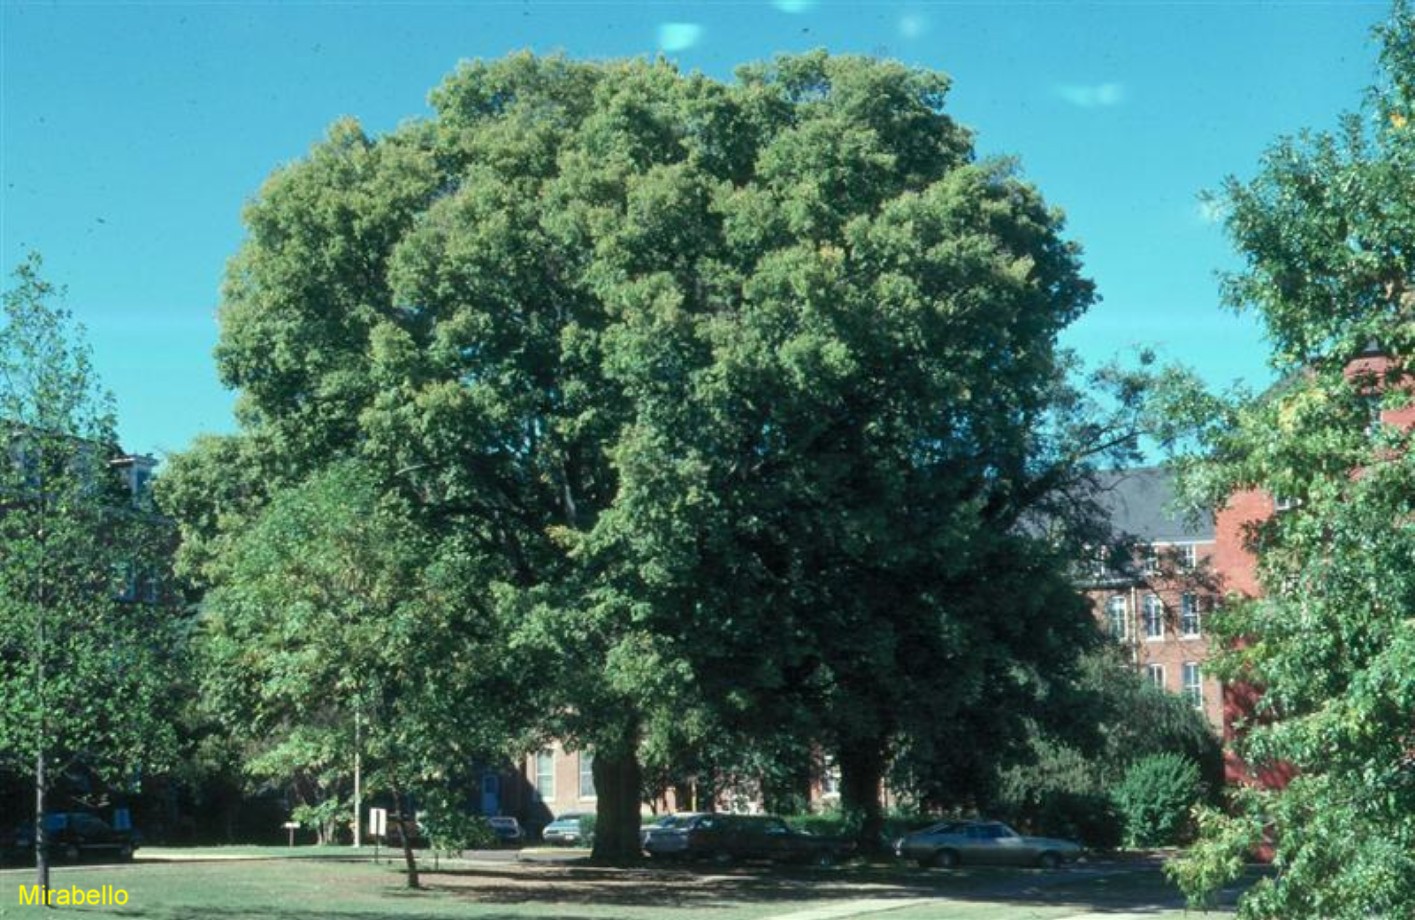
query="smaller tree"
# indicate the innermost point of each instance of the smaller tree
(332, 617)
(88, 649)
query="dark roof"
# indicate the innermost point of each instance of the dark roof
(1140, 503)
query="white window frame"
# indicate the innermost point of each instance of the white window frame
(587, 770)
(1123, 620)
(545, 777)
(1154, 673)
(1194, 684)
(1150, 559)
(1188, 554)
(1190, 616)
(1152, 612)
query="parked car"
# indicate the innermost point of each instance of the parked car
(725, 838)
(664, 823)
(951, 843)
(506, 828)
(568, 829)
(73, 836)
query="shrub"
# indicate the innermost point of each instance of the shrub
(1087, 817)
(1157, 797)
(1058, 794)
(452, 832)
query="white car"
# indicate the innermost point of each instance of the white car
(952, 843)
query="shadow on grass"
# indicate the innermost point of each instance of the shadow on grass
(1099, 889)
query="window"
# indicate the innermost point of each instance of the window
(1189, 615)
(586, 775)
(1193, 684)
(545, 774)
(1371, 409)
(1116, 615)
(125, 578)
(1187, 555)
(1150, 559)
(1154, 617)
(1154, 674)
(1286, 503)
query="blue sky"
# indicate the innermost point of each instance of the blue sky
(132, 133)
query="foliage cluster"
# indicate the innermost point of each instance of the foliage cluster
(1069, 786)
(1325, 229)
(1157, 798)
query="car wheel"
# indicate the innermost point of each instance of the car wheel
(125, 853)
(1049, 860)
(722, 858)
(945, 859)
(71, 853)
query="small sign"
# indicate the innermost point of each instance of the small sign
(378, 821)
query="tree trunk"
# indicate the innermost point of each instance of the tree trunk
(407, 827)
(861, 775)
(41, 836)
(41, 776)
(617, 783)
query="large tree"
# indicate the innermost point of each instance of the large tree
(743, 395)
(1328, 232)
(89, 636)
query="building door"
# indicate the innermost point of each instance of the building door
(490, 794)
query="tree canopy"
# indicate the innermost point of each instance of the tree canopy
(745, 398)
(1326, 230)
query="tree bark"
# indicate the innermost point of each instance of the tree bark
(407, 827)
(41, 841)
(618, 782)
(861, 776)
(41, 777)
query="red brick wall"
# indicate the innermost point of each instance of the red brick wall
(1173, 649)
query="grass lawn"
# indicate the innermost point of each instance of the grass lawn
(221, 887)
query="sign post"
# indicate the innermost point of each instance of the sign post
(377, 826)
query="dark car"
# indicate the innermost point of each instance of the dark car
(664, 823)
(507, 829)
(950, 843)
(75, 835)
(727, 838)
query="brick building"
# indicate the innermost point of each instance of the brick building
(1154, 594)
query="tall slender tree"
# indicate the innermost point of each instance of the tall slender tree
(85, 664)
